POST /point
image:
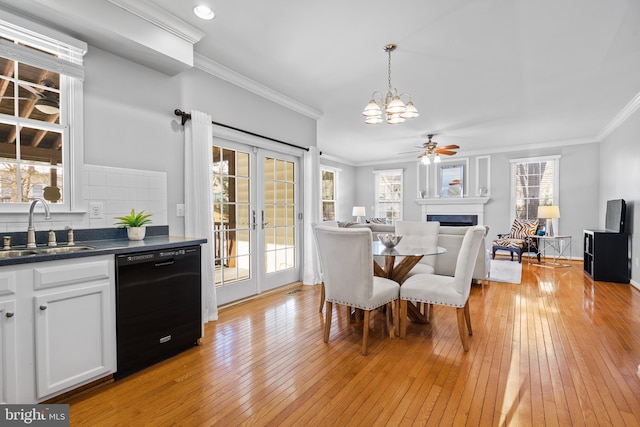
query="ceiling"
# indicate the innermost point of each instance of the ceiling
(488, 76)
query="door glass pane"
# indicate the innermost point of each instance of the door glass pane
(231, 197)
(279, 196)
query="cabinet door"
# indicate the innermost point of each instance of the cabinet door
(8, 367)
(74, 337)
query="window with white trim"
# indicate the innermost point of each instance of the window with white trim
(388, 194)
(40, 92)
(329, 182)
(534, 183)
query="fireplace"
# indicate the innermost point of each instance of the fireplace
(454, 220)
(458, 210)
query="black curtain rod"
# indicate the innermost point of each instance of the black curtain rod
(187, 116)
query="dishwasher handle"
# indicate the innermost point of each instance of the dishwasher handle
(163, 263)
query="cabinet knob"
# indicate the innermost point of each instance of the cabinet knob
(43, 307)
(10, 314)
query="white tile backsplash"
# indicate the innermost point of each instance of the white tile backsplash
(120, 190)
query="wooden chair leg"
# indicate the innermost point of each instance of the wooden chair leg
(403, 318)
(467, 317)
(365, 332)
(461, 328)
(391, 328)
(327, 321)
(321, 296)
(396, 317)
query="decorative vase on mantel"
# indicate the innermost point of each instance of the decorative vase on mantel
(136, 233)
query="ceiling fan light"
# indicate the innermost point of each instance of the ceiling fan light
(373, 120)
(436, 159)
(396, 106)
(372, 109)
(425, 160)
(47, 106)
(411, 112)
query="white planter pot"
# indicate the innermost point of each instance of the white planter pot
(136, 233)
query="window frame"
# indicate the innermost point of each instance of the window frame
(69, 64)
(556, 180)
(335, 172)
(400, 202)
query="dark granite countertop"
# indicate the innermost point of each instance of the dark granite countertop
(102, 242)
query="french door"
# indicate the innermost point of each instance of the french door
(256, 225)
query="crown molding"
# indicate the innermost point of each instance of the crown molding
(216, 69)
(159, 17)
(623, 115)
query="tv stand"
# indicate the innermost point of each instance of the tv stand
(606, 256)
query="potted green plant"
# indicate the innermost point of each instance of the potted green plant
(135, 224)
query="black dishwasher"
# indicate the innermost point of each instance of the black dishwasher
(158, 306)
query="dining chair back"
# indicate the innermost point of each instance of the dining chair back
(446, 290)
(420, 234)
(346, 257)
(333, 224)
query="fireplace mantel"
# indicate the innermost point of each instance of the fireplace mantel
(453, 201)
(453, 205)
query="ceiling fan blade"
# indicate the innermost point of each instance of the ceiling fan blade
(446, 152)
(450, 147)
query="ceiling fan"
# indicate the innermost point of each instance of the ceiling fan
(45, 102)
(431, 150)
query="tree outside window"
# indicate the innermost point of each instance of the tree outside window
(535, 184)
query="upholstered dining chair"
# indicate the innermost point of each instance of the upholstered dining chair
(518, 240)
(346, 257)
(419, 234)
(333, 224)
(446, 290)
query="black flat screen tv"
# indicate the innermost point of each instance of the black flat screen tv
(614, 220)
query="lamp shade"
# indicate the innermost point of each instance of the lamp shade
(548, 212)
(358, 211)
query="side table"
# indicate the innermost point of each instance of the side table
(560, 245)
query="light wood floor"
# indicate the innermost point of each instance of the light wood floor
(556, 350)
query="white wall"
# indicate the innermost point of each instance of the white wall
(619, 179)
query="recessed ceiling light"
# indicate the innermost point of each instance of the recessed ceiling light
(204, 12)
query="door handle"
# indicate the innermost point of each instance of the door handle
(253, 217)
(9, 314)
(43, 307)
(263, 223)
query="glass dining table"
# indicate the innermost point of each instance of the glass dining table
(411, 254)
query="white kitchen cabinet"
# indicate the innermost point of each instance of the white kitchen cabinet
(74, 318)
(62, 333)
(8, 347)
(8, 367)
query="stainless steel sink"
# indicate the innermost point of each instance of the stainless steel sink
(61, 249)
(42, 251)
(17, 252)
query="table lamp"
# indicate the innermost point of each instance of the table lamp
(549, 212)
(358, 211)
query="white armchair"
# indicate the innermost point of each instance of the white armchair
(446, 290)
(346, 258)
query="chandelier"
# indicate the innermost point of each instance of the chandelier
(391, 105)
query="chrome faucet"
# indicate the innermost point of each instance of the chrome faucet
(31, 232)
